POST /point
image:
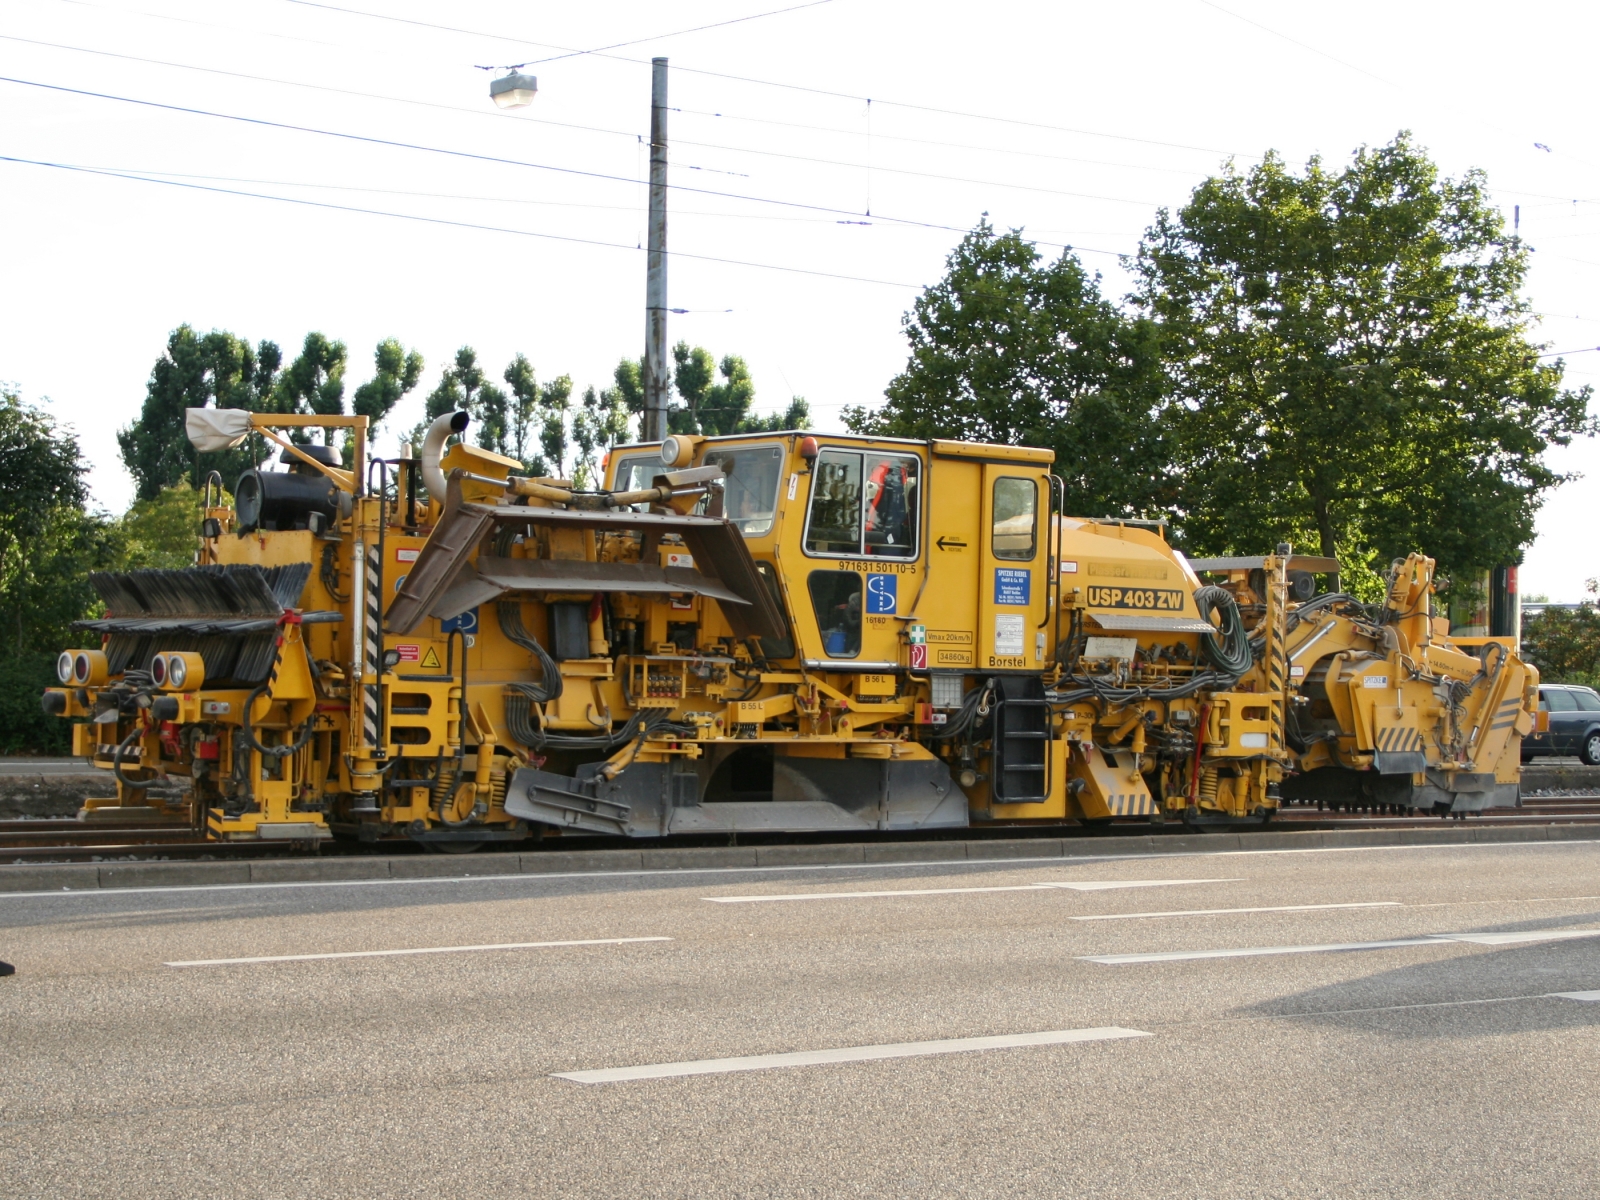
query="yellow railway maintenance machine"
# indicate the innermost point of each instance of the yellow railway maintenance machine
(1387, 709)
(774, 632)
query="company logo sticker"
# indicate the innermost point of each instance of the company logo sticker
(882, 594)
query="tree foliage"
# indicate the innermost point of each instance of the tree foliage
(314, 382)
(396, 373)
(715, 397)
(161, 532)
(49, 543)
(195, 371)
(1012, 349)
(1564, 643)
(1350, 363)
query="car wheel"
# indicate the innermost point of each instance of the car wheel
(1591, 749)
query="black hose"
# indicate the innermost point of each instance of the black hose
(644, 723)
(272, 751)
(1089, 688)
(116, 763)
(1231, 651)
(967, 716)
(550, 682)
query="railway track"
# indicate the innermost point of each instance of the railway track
(66, 840)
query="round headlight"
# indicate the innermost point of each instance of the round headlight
(89, 668)
(158, 670)
(677, 451)
(64, 667)
(186, 671)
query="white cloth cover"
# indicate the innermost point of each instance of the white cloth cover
(214, 429)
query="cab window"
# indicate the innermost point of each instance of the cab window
(836, 600)
(750, 492)
(863, 503)
(1016, 505)
(1587, 701)
(635, 472)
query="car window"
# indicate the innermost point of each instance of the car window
(1559, 701)
(1587, 701)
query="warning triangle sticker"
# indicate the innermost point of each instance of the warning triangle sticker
(431, 658)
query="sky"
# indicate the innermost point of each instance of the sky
(825, 158)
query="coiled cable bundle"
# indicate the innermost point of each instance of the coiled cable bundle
(1229, 652)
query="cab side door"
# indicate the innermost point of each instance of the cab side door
(1013, 584)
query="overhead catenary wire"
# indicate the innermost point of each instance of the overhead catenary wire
(878, 135)
(660, 37)
(772, 83)
(677, 141)
(526, 119)
(558, 237)
(500, 160)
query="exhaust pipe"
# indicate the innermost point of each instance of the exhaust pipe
(433, 449)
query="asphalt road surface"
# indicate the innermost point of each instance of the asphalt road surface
(1396, 1026)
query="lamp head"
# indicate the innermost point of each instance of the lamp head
(514, 91)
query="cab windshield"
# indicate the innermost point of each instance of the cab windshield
(750, 492)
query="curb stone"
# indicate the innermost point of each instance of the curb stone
(51, 877)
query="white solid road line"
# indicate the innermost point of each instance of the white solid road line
(1097, 886)
(848, 1054)
(1591, 997)
(275, 958)
(1432, 939)
(1208, 912)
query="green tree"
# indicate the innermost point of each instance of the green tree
(628, 383)
(716, 396)
(1564, 643)
(196, 370)
(48, 545)
(796, 416)
(1350, 363)
(601, 421)
(555, 398)
(1009, 348)
(162, 532)
(523, 408)
(396, 373)
(464, 385)
(314, 382)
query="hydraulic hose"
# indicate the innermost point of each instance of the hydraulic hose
(1230, 652)
(254, 742)
(116, 763)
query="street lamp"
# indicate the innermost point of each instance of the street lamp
(514, 91)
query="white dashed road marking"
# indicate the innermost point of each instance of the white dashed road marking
(1432, 939)
(1091, 886)
(848, 1054)
(276, 958)
(1210, 912)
